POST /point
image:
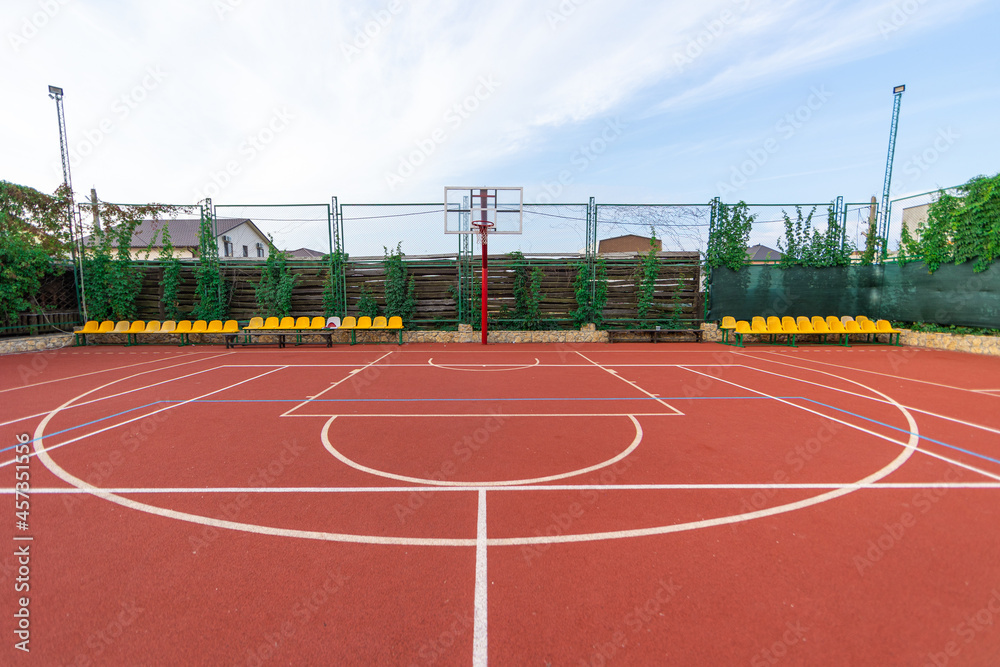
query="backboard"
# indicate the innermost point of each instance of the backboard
(500, 207)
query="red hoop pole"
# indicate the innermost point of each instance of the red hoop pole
(483, 194)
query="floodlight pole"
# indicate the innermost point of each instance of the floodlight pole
(883, 232)
(76, 241)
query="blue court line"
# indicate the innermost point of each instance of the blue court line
(90, 423)
(405, 400)
(903, 430)
(380, 400)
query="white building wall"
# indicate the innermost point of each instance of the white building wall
(243, 235)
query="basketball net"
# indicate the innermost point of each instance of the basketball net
(483, 230)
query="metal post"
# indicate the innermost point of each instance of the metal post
(883, 232)
(75, 238)
(591, 247)
(483, 196)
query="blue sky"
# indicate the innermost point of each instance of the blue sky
(668, 102)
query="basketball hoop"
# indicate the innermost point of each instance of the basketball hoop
(483, 230)
(481, 212)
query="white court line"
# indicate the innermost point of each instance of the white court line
(862, 370)
(288, 412)
(632, 384)
(134, 419)
(913, 430)
(497, 413)
(71, 490)
(892, 466)
(105, 370)
(851, 393)
(484, 368)
(540, 365)
(122, 393)
(325, 437)
(479, 633)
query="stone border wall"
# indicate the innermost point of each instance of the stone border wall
(955, 342)
(35, 343)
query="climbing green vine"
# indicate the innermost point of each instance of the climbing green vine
(400, 291)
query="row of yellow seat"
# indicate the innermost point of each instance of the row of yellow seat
(305, 325)
(733, 331)
(315, 323)
(134, 329)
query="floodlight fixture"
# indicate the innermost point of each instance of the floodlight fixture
(898, 89)
(55, 92)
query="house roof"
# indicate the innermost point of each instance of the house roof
(183, 231)
(761, 253)
(305, 253)
(628, 236)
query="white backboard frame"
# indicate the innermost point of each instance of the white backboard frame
(463, 206)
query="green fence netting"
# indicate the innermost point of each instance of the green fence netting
(952, 295)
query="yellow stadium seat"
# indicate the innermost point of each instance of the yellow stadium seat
(199, 326)
(741, 329)
(349, 323)
(395, 322)
(231, 326)
(728, 325)
(837, 328)
(867, 326)
(852, 327)
(884, 326)
(773, 321)
(153, 327)
(804, 326)
(137, 327)
(861, 319)
(380, 323)
(271, 323)
(287, 323)
(122, 327)
(107, 326)
(89, 327)
(215, 326)
(758, 326)
(168, 326)
(787, 321)
(845, 319)
(364, 322)
(183, 327)
(317, 323)
(255, 323)
(300, 323)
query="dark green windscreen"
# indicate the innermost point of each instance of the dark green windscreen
(951, 295)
